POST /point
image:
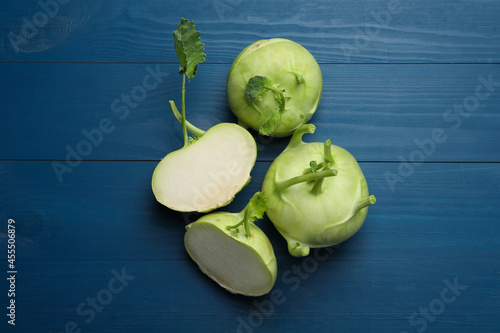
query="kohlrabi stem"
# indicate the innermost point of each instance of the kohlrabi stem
(297, 135)
(245, 221)
(280, 186)
(183, 108)
(328, 152)
(365, 202)
(298, 76)
(190, 127)
(280, 96)
(318, 186)
(254, 210)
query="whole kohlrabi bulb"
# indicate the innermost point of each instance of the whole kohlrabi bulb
(274, 86)
(317, 194)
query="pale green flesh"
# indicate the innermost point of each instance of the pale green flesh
(281, 61)
(208, 173)
(246, 267)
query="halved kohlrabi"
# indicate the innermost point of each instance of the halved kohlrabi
(233, 251)
(274, 86)
(210, 170)
(317, 194)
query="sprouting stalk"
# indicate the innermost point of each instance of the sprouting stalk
(318, 186)
(328, 152)
(298, 76)
(365, 202)
(297, 135)
(327, 165)
(280, 186)
(190, 127)
(244, 221)
(329, 161)
(254, 210)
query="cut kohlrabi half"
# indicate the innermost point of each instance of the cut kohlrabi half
(211, 169)
(317, 194)
(233, 251)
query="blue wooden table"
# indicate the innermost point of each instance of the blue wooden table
(411, 89)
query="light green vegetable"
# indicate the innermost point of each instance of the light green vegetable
(210, 170)
(317, 194)
(274, 86)
(233, 251)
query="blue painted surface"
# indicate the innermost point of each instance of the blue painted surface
(400, 85)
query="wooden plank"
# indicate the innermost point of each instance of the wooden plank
(380, 31)
(106, 211)
(377, 112)
(333, 295)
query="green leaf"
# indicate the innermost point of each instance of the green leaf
(256, 86)
(256, 207)
(270, 123)
(253, 211)
(188, 47)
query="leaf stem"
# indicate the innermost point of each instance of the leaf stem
(254, 210)
(280, 186)
(328, 152)
(318, 186)
(365, 202)
(190, 127)
(280, 96)
(183, 108)
(296, 139)
(245, 221)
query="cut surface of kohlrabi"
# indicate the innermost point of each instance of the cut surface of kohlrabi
(233, 251)
(209, 172)
(317, 194)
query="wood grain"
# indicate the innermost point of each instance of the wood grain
(439, 225)
(380, 31)
(411, 89)
(377, 112)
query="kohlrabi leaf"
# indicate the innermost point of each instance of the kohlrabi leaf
(256, 86)
(268, 125)
(253, 211)
(188, 47)
(256, 207)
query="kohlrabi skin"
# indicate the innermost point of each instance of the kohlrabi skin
(211, 169)
(317, 194)
(274, 86)
(233, 251)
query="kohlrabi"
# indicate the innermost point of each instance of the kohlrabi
(233, 251)
(210, 170)
(274, 86)
(317, 194)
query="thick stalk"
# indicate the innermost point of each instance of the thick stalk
(318, 186)
(328, 152)
(365, 202)
(297, 135)
(280, 186)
